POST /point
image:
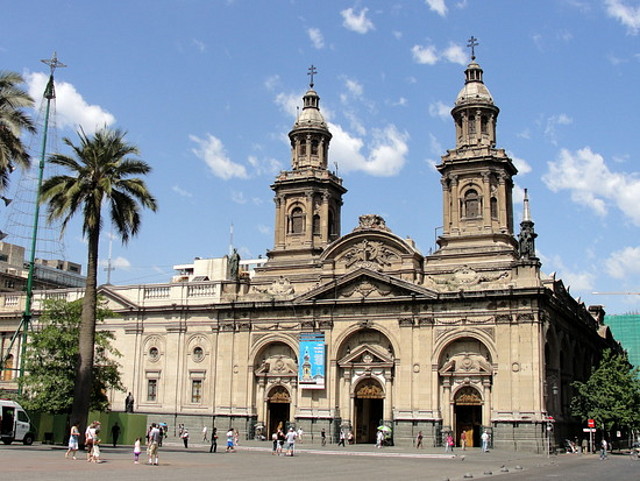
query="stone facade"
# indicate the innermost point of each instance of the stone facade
(473, 337)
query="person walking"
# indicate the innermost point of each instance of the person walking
(115, 433)
(205, 439)
(463, 440)
(485, 441)
(230, 444)
(137, 449)
(291, 441)
(74, 436)
(185, 438)
(280, 438)
(342, 439)
(603, 449)
(448, 448)
(379, 439)
(419, 440)
(323, 437)
(154, 439)
(214, 441)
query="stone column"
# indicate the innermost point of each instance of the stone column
(455, 204)
(486, 407)
(486, 201)
(446, 205)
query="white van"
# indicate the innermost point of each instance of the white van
(14, 423)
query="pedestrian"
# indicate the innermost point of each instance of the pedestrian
(342, 438)
(463, 440)
(274, 439)
(291, 441)
(154, 440)
(585, 446)
(214, 441)
(603, 449)
(485, 441)
(419, 440)
(137, 449)
(350, 438)
(281, 439)
(379, 438)
(95, 452)
(236, 437)
(74, 436)
(115, 433)
(230, 444)
(323, 437)
(89, 437)
(300, 433)
(448, 448)
(205, 439)
(185, 438)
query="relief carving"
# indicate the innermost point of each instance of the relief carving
(466, 277)
(374, 255)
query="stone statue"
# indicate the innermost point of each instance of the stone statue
(128, 403)
(234, 264)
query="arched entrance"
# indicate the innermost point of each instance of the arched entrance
(278, 408)
(368, 410)
(467, 411)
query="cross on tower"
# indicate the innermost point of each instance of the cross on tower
(473, 43)
(311, 73)
(53, 62)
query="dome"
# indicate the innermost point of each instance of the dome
(310, 115)
(474, 89)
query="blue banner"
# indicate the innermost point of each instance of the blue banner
(311, 360)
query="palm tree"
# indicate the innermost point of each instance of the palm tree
(12, 122)
(101, 171)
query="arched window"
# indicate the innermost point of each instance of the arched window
(302, 147)
(316, 224)
(471, 204)
(494, 208)
(314, 147)
(297, 221)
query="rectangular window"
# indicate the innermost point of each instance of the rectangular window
(196, 391)
(152, 390)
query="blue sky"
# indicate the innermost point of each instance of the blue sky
(208, 91)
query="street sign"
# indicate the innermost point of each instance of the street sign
(589, 430)
(591, 423)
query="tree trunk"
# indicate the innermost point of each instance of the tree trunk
(86, 338)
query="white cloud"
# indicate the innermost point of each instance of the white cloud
(521, 164)
(263, 229)
(200, 45)
(117, 263)
(591, 183)
(267, 165)
(455, 54)
(354, 87)
(180, 191)
(627, 15)
(435, 147)
(551, 131)
(425, 55)
(72, 109)
(437, 6)
(386, 157)
(576, 280)
(439, 109)
(238, 197)
(357, 22)
(315, 35)
(624, 262)
(214, 155)
(272, 82)
(288, 103)
(429, 54)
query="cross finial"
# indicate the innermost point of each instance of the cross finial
(53, 62)
(311, 73)
(473, 43)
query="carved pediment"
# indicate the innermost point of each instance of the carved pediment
(466, 364)
(366, 284)
(277, 366)
(115, 301)
(367, 355)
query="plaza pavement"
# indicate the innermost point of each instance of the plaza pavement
(254, 460)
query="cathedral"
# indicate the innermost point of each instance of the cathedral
(351, 332)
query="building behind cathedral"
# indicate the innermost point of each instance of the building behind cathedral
(350, 331)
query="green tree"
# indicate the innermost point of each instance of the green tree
(611, 395)
(12, 122)
(100, 174)
(52, 355)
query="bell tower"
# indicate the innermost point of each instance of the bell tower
(476, 178)
(308, 197)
